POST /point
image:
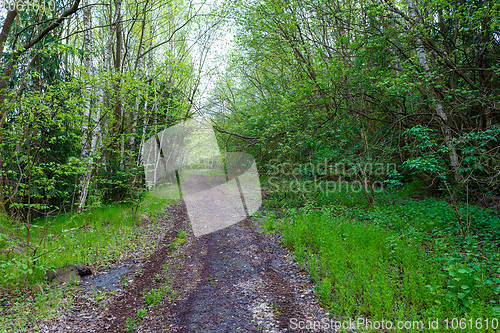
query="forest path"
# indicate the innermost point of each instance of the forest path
(238, 279)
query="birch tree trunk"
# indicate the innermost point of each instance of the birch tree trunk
(140, 66)
(91, 126)
(150, 70)
(438, 105)
(119, 116)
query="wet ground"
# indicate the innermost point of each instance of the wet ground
(111, 279)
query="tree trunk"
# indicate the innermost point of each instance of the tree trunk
(91, 125)
(140, 66)
(119, 118)
(438, 105)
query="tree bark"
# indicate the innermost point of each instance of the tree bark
(119, 118)
(91, 126)
(438, 104)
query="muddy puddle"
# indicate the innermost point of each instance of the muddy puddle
(111, 279)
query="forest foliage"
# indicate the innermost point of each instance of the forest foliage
(410, 85)
(83, 85)
(414, 83)
(408, 82)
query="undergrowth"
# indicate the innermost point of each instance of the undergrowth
(96, 237)
(403, 259)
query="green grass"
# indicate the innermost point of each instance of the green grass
(96, 237)
(402, 261)
(153, 297)
(22, 310)
(181, 239)
(133, 322)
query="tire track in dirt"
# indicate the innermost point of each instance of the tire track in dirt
(126, 305)
(247, 283)
(238, 279)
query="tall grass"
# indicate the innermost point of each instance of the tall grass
(398, 262)
(97, 236)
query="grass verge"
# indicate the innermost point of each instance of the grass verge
(400, 260)
(97, 237)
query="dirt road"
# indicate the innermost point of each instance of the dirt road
(238, 279)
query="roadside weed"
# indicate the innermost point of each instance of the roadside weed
(396, 262)
(154, 296)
